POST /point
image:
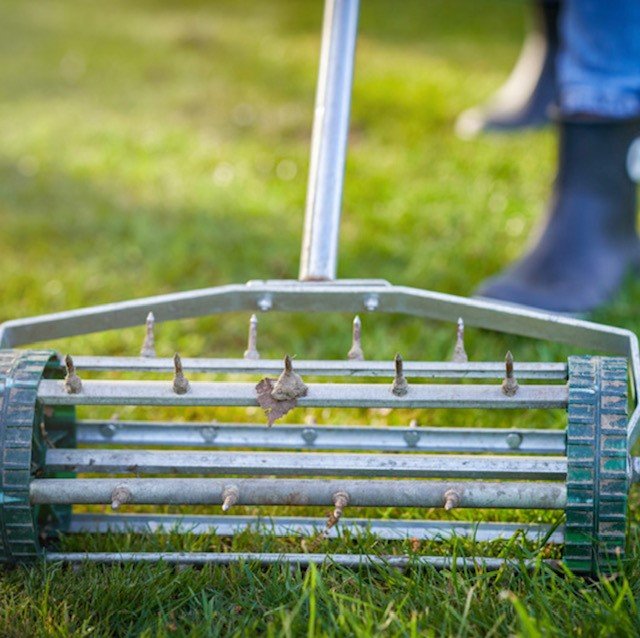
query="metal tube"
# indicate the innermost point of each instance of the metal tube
(203, 491)
(301, 560)
(329, 141)
(335, 395)
(316, 437)
(313, 464)
(384, 369)
(388, 529)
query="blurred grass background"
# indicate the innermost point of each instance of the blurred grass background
(159, 146)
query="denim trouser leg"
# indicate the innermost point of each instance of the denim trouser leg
(599, 60)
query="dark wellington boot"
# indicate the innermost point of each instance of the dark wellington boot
(589, 241)
(527, 96)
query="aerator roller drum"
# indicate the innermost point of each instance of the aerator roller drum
(598, 463)
(22, 447)
(39, 435)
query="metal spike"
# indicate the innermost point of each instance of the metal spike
(72, 382)
(252, 341)
(340, 501)
(180, 383)
(230, 497)
(451, 499)
(289, 384)
(120, 495)
(510, 384)
(149, 345)
(400, 386)
(356, 353)
(459, 353)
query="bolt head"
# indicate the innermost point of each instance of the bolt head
(108, 430)
(514, 440)
(309, 435)
(371, 302)
(265, 303)
(412, 438)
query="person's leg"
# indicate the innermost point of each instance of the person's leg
(590, 240)
(525, 99)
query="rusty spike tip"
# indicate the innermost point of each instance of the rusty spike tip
(148, 346)
(340, 501)
(459, 353)
(229, 498)
(356, 353)
(120, 496)
(508, 360)
(510, 384)
(451, 499)
(400, 386)
(72, 382)
(180, 383)
(252, 341)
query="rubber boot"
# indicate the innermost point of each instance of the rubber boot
(589, 241)
(527, 96)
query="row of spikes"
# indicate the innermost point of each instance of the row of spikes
(355, 353)
(121, 495)
(289, 384)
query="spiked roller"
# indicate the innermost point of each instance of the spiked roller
(51, 461)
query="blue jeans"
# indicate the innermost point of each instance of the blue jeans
(599, 59)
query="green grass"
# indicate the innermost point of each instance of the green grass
(157, 146)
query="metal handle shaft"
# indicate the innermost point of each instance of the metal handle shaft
(329, 141)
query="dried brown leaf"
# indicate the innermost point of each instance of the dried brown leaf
(273, 408)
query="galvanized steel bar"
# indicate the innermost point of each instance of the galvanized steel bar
(321, 437)
(388, 529)
(384, 369)
(301, 464)
(301, 560)
(335, 395)
(362, 493)
(318, 260)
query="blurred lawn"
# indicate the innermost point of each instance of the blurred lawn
(159, 146)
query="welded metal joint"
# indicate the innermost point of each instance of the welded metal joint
(400, 386)
(119, 496)
(180, 382)
(230, 496)
(356, 353)
(509, 384)
(149, 344)
(459, 353)
(451, 499)
(252, 341)
(289, 385)
(72, 382)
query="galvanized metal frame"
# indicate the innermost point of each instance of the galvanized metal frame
(317, 292)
